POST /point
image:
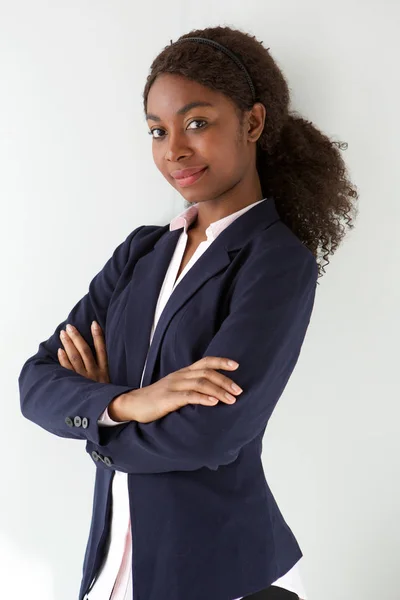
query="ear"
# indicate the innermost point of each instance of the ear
(255, 122)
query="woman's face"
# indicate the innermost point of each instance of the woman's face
(199, 136)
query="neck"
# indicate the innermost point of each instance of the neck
(242, 195)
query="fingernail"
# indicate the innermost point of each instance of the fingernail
(236, 388)
(213, 400)
(233, 363)
(62, 333)
(69, 328)
(95, 325)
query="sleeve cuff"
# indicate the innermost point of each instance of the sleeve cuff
(106, 420)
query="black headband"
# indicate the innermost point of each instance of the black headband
(228, 52)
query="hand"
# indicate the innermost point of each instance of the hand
(191, 385)
(78, 355)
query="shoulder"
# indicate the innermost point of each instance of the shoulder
(145, 231)
(279, 247)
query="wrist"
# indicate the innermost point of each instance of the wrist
(118, 409)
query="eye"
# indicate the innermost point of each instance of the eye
(152, 131)
(159, 129)
(198, 121)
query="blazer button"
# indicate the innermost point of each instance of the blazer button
(107, 461)
(69, 422)
(77, 421)
(95, 456)
(85, 422)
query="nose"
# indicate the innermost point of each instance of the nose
(176, 146)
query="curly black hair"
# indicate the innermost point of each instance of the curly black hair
(297, 164)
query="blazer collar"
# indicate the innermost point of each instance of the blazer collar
(148, 276)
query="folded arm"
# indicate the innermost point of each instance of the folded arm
(58, 399)
(264, 331)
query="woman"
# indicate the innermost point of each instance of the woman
(182, 509)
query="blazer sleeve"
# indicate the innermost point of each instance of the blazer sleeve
(60, 400)
(269, 314)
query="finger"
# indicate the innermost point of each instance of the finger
(221, 382)
(214, 362)
(207, 400)
(72, 352)
(201, 381)
(196, 398)
(100, 346)
(175, 399)
(85, 351)
(63, 359)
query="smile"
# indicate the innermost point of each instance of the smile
(185, 181)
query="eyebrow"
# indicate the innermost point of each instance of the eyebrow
(181, 111)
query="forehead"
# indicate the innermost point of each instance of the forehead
(170, 92)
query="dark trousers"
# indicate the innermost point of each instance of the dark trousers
(273, 592)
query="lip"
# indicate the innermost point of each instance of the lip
(186, 181)
(186, 172)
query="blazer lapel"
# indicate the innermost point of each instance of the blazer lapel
(148, 276)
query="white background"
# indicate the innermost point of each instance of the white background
(77, 176)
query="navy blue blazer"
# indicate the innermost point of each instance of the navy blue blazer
(205, 524)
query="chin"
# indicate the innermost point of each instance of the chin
(199, 195)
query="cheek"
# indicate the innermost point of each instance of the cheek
(225, 161)
(221, 148)
(156, 154)
(159, 159)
